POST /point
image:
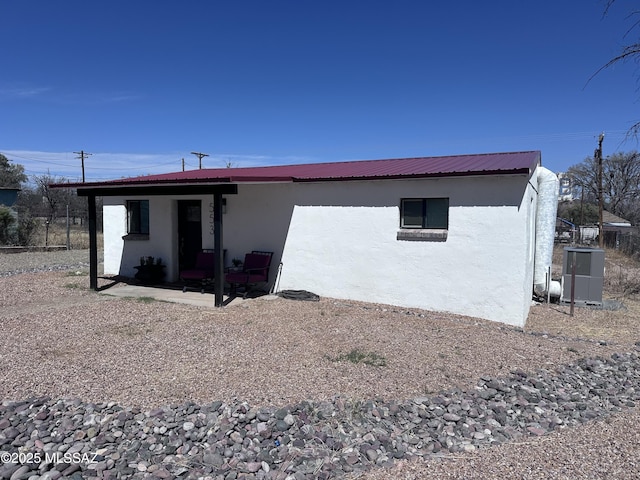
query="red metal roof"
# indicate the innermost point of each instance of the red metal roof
(511, 163)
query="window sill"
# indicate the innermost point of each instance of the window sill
(135, 237)
(423, 235)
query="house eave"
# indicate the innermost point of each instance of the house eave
(158, 189)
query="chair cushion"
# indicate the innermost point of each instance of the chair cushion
(204, 267)
(195, 274)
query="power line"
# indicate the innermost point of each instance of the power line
(200, 155)
(116, 168)
(10, 155)
(82, 154)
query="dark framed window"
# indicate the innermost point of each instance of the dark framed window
(424, 213)
(138, 217)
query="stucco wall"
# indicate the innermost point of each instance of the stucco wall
(340, 240)
(120, 256)
(114, 228)
(349, 249)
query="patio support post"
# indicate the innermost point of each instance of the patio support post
(218, 283)
(93, 243)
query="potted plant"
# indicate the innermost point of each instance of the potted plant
(150, 270)
(237, 265)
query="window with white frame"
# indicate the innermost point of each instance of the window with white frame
(138, 217)
(424, 213)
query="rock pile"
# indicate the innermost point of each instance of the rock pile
(50, 439)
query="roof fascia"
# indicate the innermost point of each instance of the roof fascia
(121, 190)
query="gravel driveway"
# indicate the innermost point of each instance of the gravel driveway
(61, 340)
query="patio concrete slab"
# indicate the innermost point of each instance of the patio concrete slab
(168, 295)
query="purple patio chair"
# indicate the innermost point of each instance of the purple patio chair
(202, 272)
(255, 269)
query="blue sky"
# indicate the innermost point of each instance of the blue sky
(141, 84)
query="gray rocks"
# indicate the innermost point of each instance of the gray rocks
(44, 439)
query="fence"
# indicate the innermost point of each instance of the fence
(628, 243)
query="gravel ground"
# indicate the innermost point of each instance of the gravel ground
(61, 340)
(602, 449)
(14, 263)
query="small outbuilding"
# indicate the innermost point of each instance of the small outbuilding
(456, 234)
(8, 196)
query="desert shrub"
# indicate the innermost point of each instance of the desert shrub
(7, 226)
(27, 229)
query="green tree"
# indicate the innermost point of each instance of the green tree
(11, 175)
(579, 213)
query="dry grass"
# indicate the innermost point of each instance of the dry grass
(618, 327)
(622, 276)
(621, 281)
(57, 235)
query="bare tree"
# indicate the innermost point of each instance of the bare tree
(54, 198)
(631, 51)
(621, 183)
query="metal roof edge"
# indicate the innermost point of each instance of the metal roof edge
(520, 171)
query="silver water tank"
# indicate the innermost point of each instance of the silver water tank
(589, 276)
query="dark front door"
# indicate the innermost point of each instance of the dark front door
(189, 232)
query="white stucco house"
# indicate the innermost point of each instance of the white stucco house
(457, 234)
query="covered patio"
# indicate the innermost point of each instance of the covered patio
(92, 191)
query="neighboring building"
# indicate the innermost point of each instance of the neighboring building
(613, 227)
(613, 223)
(8, 196)
(455, 234)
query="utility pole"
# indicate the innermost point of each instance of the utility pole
(183, 164)
(598, 155)
(81, 156)
(199, 155)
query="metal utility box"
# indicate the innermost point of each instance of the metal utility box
(589, 275)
